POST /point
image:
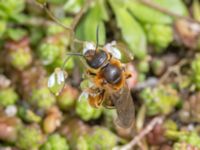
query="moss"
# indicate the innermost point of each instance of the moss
(29, 138)
(55, 142)
(8, 97)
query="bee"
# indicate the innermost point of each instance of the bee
(107, 75)
(109, 88)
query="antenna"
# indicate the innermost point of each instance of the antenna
(97, 37)
(70, 54)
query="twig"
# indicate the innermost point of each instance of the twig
(142, 134)
(37, 22)
(55, 19)
(153, 5)
(77, 18)
(80, 14)
(175, 68)
(74, 23)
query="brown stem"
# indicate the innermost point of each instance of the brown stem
(54, 18)
(142, 134)
(37, 21)
(80, 14)
(175, 68)
(74, 23)
(77, 19)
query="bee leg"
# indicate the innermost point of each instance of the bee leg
(88, 72)
(96, 99)
(108, 104)
(128, 74)
(92, 97)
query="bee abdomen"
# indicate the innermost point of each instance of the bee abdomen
(112, 74)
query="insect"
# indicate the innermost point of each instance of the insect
(108, 75)
(109, 88)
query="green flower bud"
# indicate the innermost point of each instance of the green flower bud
(143, 66)
(42, 98)
(52, 51)
(85, 111)
(188, 139)
(67, 97)
(48, 52)
(182, 146)
(160, 36)
(158, 66)
(141, 77)
(195, 66)
(28, 115)
(56, 29)
(174, 134)
(170, 124)
(29, 138)
(82, 143)
(20, 58)
(8, 97)
(56, 81)
(55, 142)
(194, 139)
(101, 138)
(160, 100)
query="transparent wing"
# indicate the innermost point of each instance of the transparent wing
(119, 51)
(127, 56)
(124, 105)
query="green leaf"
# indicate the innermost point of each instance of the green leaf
(196, 10)
(73, 6)
(3, 25)
(90, 31)
(150, 15)
(10, 8)
(103, 10)
(16, 34)
(96, 16)
(132, 31)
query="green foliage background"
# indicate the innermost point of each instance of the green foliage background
(32, 45)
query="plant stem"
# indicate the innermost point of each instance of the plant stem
(142, 134)
(80, 14)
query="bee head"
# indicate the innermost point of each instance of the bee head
(95, 59)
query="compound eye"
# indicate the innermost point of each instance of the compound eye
(112, 74)
(95, 59)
